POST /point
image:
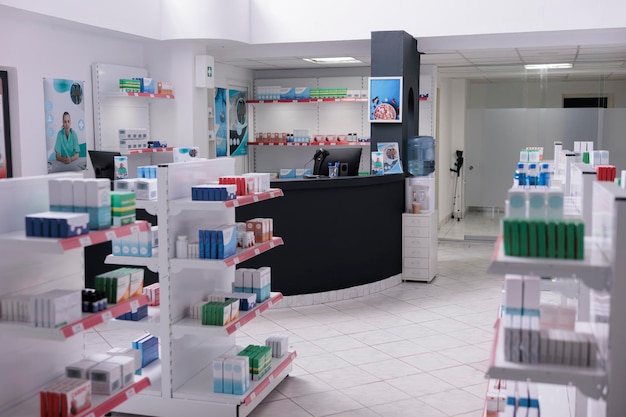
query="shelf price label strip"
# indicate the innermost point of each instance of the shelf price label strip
(253, 314)
(265, 382)
(253, 198)
(117, 399)
(98, 318)
(100, 236)
(253, 251)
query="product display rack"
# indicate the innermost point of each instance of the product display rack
(321, 116)
(187, 347)
(312, 100)
(601, 274)
(115, 109)
(88, 321)
(36, 265)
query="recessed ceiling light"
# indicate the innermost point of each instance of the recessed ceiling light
(334, 60)
(548, 66)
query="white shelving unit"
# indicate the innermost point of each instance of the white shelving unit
(32, 357)
(419, 246)
(602, 272)
(115, 109)
(324, 116)
(187, 347)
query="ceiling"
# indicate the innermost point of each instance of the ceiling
(492, 64)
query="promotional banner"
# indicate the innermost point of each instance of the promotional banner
(66, 142)
(238, 122)
(221, 122)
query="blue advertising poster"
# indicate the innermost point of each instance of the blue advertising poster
(221, 122)
(385, 98)
(66, 141)
(238, 122)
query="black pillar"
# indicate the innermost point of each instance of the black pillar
(394, 54)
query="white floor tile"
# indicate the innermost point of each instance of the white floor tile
(454, 402)
(346, 377)
(293, 386)
(407, 408)
(420, 384)
(375, 393)
(327, 403)
(390, 369)
(363, 355)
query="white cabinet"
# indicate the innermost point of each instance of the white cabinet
(33, 357)
(187, 347)
(419, 246)
(601, 275)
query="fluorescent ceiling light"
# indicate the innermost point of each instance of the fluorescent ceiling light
(334, 60)
(548, 66)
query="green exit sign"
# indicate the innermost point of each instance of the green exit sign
(209, 72)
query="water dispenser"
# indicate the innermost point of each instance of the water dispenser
(421, 155)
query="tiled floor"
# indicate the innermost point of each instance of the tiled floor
(475, 225)
(415, 349)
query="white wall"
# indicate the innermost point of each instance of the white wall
(539, 94)
(452, 97)
(36, 50)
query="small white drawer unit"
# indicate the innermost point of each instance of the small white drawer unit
(419, 246)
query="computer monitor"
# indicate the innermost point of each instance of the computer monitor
(348, 158)
(103, 163)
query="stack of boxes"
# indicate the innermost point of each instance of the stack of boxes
(254, 182)
(534, 226)
(214, 192)
(148, 347)
(130, 85)
(527, 341)
(57, 224)
(231, 375)
(218, 243)
(512, 398)
(91, 196)
(260, 360)
(120, 284)
(132, 139)
(279, 344)
(122, 208)
(263, 229)
(66, 397)
(255, 281)
(215, 313)
(136, 244)
(153, 291)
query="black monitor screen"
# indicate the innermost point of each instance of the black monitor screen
(103, 163)
(350, 156)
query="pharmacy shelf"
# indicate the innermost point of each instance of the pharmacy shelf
(150, 150)
(178, 264)
(152, 371)
(59, 246)
(88, 321)
(594, 269)
(312, 100)
(188, 326)
(150, 324)
(150, 262)
(329, 143)
(591, 381)
(554, 401)
(132, 94)
(176, 206)
(200, 387)
(100, 404)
